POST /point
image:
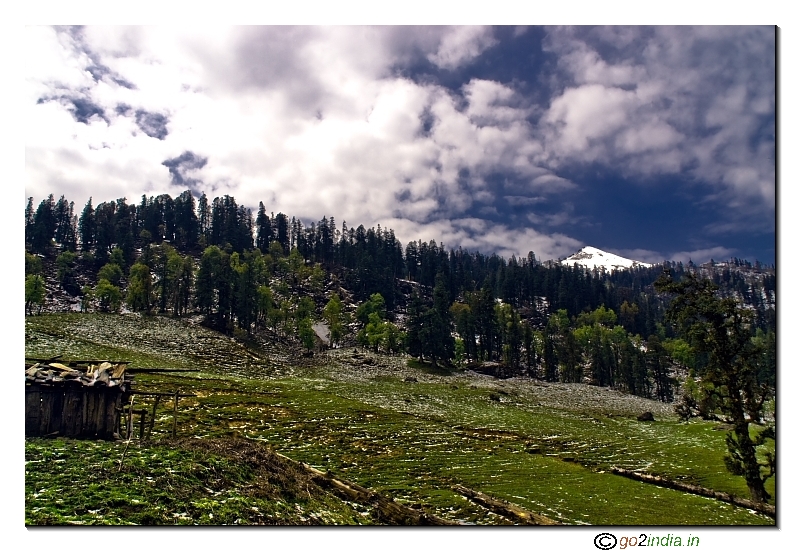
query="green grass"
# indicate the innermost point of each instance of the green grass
(103, 483)
(547, 449)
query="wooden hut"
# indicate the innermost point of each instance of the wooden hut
(82, 399)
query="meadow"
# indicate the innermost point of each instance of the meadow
(404, 429)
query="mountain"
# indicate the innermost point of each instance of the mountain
(591, 257)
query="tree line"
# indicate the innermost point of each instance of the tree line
(245, 273)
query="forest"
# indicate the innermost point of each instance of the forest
(268, 273)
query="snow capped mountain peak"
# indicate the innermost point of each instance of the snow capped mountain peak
(591, 257)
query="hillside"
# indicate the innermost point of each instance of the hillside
(407, 430)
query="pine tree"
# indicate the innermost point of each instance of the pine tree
(44, 226)
(436, 335)
(187, 226)
(203, 220)
(657, 362)
(29, 222)
(264, 227)
(414, 326)
(282, 230)
(721, 329)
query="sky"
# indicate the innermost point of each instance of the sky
(652, 142)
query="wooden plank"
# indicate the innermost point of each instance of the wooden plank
(46, 408)
(88, 427)
(113, 402)
(73, 405)
(86, 409)
(99, 420)
(33, 406)
(56, 410)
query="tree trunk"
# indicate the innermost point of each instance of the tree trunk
(752, 469)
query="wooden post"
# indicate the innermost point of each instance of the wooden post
(129, 433)
(153, 416)
(175, 415)
(142, 413)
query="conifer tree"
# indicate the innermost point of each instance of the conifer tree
(264, 229)
(29, 222)
(720, 328)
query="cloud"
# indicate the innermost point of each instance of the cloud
(82, 109)
(565, 216)
(152, 124)
(669, 100)
(461, 45)
(181, 166)
(477, 234)
(516, 200)
(96, 68)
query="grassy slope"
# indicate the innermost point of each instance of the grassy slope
(544, 447)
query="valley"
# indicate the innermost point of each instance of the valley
(407, 430)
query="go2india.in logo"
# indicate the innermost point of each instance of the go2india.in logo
(607, 541)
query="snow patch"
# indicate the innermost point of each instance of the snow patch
(591, 258)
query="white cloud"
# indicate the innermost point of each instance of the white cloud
(481, 235)
(460, 45)
(310, 120)
(667, 100)
(582, 116)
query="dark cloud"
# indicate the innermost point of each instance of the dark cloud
(181, 165)
(100, 71)
(153, 124)
(427, 119)
(81, 108)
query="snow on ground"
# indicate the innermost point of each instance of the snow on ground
(591, 257)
